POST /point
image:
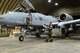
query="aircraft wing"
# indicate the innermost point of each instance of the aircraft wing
(55, 23)
(69, 22)
(61, 24)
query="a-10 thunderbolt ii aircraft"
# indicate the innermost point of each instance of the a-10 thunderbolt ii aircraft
(36, 21)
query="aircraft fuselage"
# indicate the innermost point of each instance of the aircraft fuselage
(19, 18)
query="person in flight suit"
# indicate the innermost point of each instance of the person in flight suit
(49, 37)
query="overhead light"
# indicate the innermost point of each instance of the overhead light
(56, 4)
(49, 0)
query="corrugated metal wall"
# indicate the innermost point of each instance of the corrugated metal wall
(8, 5)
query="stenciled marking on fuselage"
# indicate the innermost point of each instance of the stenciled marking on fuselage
(40, 18)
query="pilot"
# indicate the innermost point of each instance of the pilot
(49, 37)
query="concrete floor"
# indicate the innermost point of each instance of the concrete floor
(32, 44)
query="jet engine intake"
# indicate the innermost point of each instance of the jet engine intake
(65, 17)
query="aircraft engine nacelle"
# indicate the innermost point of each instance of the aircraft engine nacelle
(60, 25)
(65, 17)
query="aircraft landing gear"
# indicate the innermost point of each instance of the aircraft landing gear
(49, 40)
(21, 38)
(38, 35)
(66, 34)
(22, 34)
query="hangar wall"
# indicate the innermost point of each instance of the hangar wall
(72, 11)
(8, 5)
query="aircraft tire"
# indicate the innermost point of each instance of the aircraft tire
(51, 40)
(21, 38)
(38, 35)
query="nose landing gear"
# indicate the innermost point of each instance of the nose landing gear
(21, 38)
